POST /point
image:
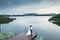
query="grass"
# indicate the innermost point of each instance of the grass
(6, 35)
(5, 19)
(55, 19)
(41, 38)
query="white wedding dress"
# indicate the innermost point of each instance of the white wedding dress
(28, 32)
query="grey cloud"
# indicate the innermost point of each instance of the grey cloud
(12, 3)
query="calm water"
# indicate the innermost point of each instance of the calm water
(40, 25)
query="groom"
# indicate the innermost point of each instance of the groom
(31, 29)
(29, 32)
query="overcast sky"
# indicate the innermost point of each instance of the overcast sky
(29, 6)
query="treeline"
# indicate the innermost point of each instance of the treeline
(5, 19)
(33, 14)
(55, 19)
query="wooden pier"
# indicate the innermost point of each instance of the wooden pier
(23, 36)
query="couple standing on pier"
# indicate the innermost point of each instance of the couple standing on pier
(29, 32)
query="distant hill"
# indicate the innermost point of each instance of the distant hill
(34, 14)
(31, 14)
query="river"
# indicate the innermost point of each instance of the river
(40, 25)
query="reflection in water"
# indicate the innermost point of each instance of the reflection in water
(47, 30)
(5, 20)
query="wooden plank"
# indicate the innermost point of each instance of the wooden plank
(22, 36)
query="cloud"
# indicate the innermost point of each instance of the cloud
(13, 3)
(27, 6)
(54, 9)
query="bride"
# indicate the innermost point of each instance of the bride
(29, 32)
